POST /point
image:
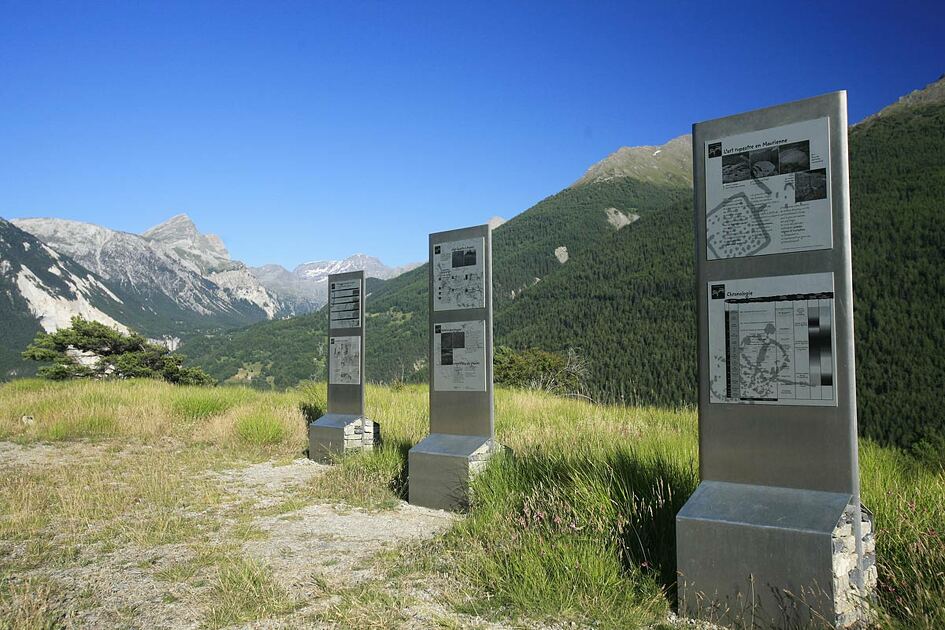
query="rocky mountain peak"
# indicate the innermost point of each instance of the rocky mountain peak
(178, 226)
(667, 164)
(180, 234)
(929, 95)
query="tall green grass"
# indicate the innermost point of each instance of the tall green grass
(576, 523)
(200, 403)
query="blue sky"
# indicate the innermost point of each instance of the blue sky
(300, 131)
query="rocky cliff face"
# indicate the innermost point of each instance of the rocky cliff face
(41, 290)
(53, 287)
(666, 165)
(175, 264)
(206, 255)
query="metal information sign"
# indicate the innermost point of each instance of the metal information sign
(460, 360)
(344, 427)
(461, 398)
(346, 343)
(777, 387)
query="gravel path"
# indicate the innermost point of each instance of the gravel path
(129, 587)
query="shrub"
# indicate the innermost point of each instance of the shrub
(89, 349)
(537, 369)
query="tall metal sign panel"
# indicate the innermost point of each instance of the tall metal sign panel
(779, 491)
(460, 363)
(344, 427)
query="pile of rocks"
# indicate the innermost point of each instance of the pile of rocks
(853, 585)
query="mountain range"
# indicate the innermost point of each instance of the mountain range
(169, 282)
(605, 268)
(305, 288)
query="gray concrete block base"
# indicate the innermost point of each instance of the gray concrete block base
(335, 434)
(440, 467)
(770, 557)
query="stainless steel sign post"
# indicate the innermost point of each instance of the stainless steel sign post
(344, 427)
(775, 533)
(461, 394)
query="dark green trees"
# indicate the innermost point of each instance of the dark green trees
(88, 349)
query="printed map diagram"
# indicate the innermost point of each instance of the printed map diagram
(344, 361)
(767, 191)
(771, 340)
(459, 275)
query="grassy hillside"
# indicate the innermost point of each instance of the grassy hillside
(140, 485)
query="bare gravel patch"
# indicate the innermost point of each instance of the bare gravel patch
(339, 542)
(320, 552)
(265, 483)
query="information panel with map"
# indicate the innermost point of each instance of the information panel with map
(459, 275)
(768, 192)
(344, 360)
(771, 340)
(459, 356)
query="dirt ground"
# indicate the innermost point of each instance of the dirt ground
(266, 555)
(324, 556)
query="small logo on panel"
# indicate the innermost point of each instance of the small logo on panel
(436, 249)
(437, 329)
(715, 150)
(718, 291)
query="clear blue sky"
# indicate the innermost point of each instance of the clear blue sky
(274, 123)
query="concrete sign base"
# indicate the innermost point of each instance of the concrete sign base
(441, 467)
(335, 434)
(772, 557)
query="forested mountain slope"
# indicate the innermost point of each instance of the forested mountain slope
(523, 256)
(898, 191)
(626, 306)
(624, 298)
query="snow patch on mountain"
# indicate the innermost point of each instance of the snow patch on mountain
(305, 288)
